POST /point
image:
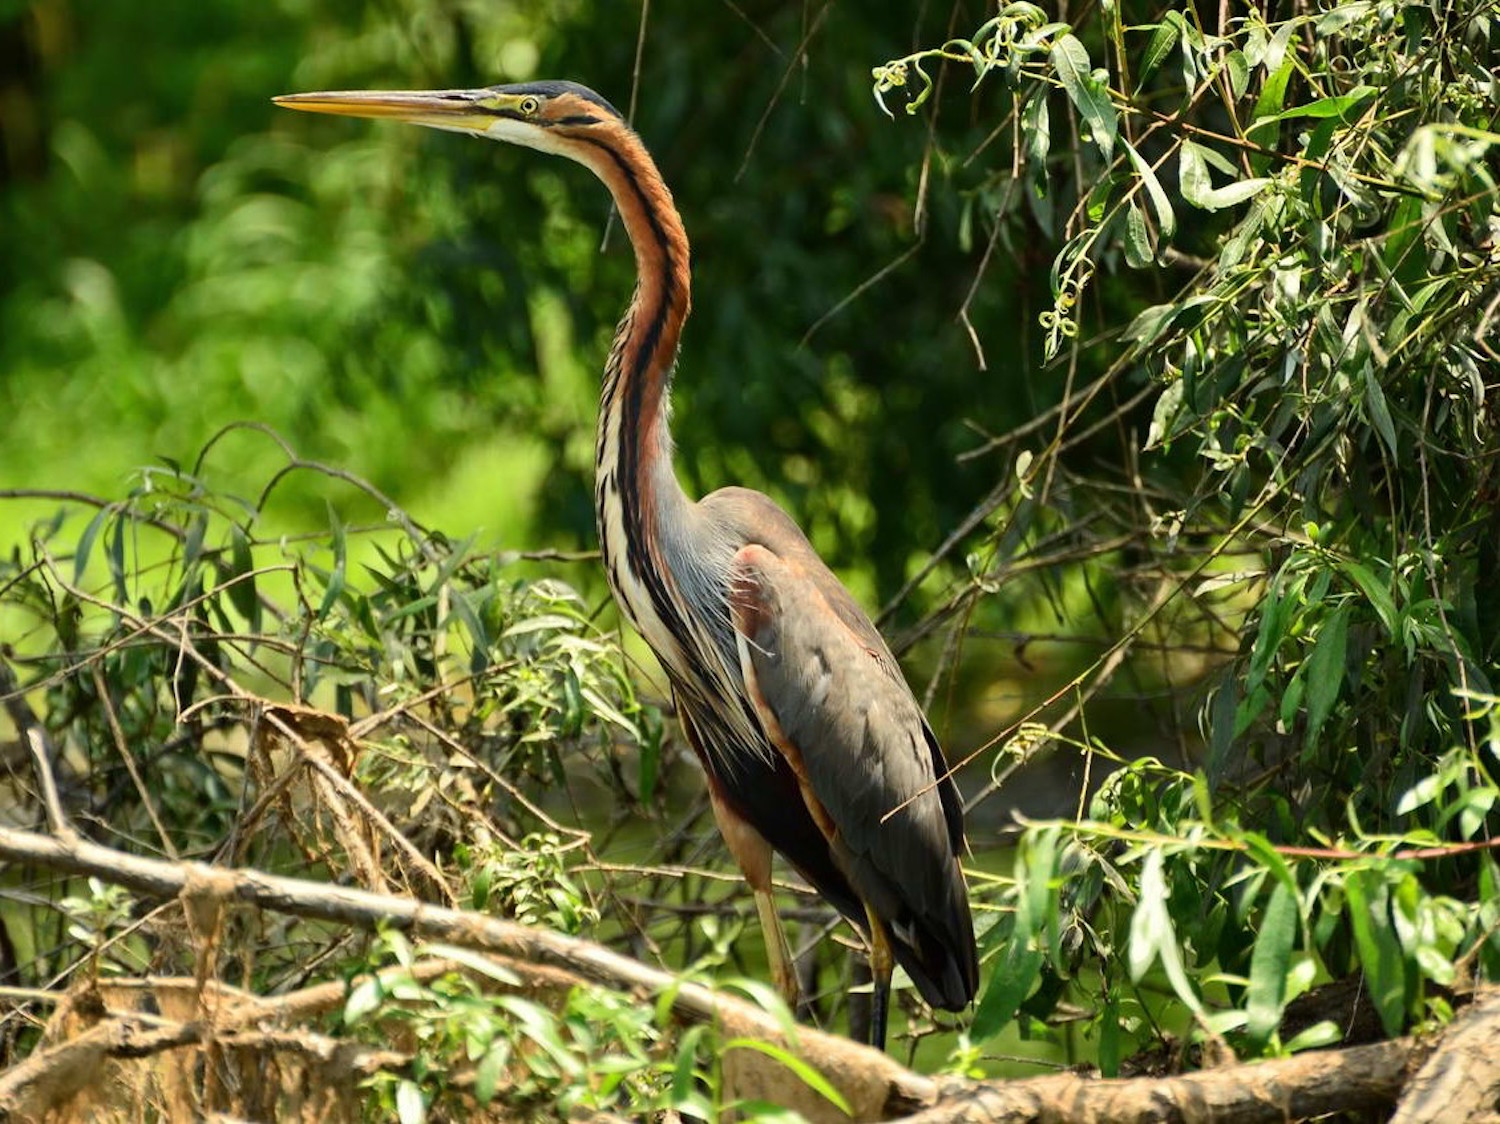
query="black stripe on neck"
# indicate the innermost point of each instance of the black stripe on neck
(634, 368)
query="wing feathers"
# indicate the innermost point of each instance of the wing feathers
(833, 703)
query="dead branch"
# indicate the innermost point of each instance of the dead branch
(52, 1076)
(1309, 1085)
(1461, 1081)
(875, 1086)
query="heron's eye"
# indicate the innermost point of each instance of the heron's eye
(530, 104)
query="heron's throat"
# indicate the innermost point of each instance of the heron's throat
(645, 347)
(636, 492)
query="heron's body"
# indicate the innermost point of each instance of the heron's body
(810, 738)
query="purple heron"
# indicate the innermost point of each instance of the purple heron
(807, 732)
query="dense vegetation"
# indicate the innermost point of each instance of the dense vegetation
(1140, 366)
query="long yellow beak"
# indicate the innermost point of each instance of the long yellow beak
(462, 110)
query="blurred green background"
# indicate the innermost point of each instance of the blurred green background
(432, 312)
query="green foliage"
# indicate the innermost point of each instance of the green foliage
(600, 1051)
(597, 1051)
(433, 313)
(199, 620)
(1256, 486)
(1320, 190)
(100, 921)
(1160, 921)
(530, 883)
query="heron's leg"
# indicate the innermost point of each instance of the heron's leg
(753, 854)
(778, 951)
(882, 964)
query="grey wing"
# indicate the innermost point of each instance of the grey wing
(833, 702)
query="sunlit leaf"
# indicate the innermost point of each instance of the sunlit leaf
(411, 1107)
(1161, 206)
(1089, 96)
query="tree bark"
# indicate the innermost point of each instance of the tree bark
(1461, 1081)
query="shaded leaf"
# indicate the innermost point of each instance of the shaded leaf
(1089, 96)
(1325, 669)
(1266, 996)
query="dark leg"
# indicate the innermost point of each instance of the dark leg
(882, 964)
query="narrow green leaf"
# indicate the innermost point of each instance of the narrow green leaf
(1276, 51)
(1192, 175)
(479, 638)
(684, 1072)
(117, 562)
(474, 961)
(1380, 413)
(336, 578)
(1339, 107)
(1150, 323)
(1375, 592)
(1137, 238)
(1266, 996)
(1163, 43)
(1367, 902)
(1036, 123)
(1341, 15)
(1144, 928)
(1197, 185)
(1166, 218)
(192, 545)
(1316, 1037)
(1291, 701)
(1221, 725)
(648, 765)
(364, 998)
(1476, 812)
(490, 1070)
(86, 543)
(1109, 1038)
(242, 588)
(1233, 194)
(1402, 235)
(1153, 936)
(1239, 72)
(1272, 96)
(1164, 416)
(1089, 96)
(1325, 669)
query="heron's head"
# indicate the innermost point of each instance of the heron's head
(554, 117)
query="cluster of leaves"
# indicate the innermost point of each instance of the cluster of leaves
(599, 1051)
(590, 1050)
(201, 619)
(1163, 921)
(356, 701)
(1324, 363)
